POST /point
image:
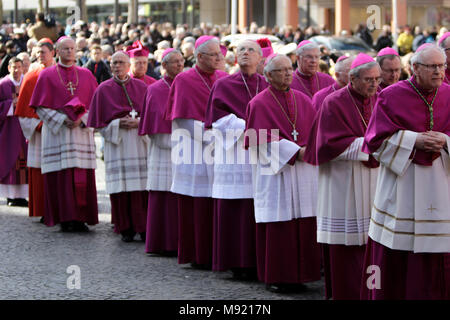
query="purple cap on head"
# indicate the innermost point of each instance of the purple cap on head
(361, 59)
(387, 51)
(341, 58)
(166, 52)
(304, 42)
(425, 45)
(201, 40)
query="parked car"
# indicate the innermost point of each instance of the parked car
(344, 45)
(234, 39)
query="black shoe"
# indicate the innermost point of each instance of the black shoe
(142, 235)
(128, 235)
(41, 220)
(201, 266)
(9, 202)
(286, 287)
(67, 226)
(245, 274)
(80, 226)
(21, 202)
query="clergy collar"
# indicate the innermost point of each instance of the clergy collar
(420, 88)
(275, 90)
(66, 66)
(301, 74)
(246, 76)
(358, 96)
(14, 81)
(168, 79)
(120, 82)
(204, 73)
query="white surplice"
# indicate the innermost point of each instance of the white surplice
(34, 138)
(159, 163)
(62, 147)
(232, 178)
(282, 192)
(192, 172)
(125, 157)
(345, 197)
(412, 202)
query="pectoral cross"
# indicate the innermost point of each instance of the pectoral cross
(431, 208)
(133, 114)
(70, 88)
(295, 134)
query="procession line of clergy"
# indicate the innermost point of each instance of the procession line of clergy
(363, 172)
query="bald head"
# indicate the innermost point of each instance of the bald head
(65, 48)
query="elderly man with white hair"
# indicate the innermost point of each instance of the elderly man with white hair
(408, 252)
(234, 221)
(191, 175)
(341, 70)
(114, 112)
(162, 212)
(347, 177)
(284, 186)
(307, 77)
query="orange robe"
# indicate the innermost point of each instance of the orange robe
(35, 178)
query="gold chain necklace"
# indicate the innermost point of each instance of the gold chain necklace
(68, 86)
(356, 106)
(310, 93)
(294, 132)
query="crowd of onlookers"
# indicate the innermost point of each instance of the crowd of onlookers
(96, 42)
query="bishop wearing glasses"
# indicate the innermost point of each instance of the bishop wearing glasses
(409, 233)
(347, 177)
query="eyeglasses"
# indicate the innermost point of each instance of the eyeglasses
(432, 67)
(215, 55)
(285, 70)
(310, 57)
(118, 62)
(370, 80)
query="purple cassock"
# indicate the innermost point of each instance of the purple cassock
(310, 85)
(287, 251)
(188, 99)
(447, 76)
(72, 191)
(404, 274)
(322, 94)
(128, 208)
(234, 220)
(336, 126)
(162, 213)
(13, 169)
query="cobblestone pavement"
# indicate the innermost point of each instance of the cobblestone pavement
(34, 261)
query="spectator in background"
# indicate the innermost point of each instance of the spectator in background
(31, 43)
(97, 66)
(43, 29)
(405, 41)
(188, 52)
(19, 40)
(82, 51)
(385, 39)
(10, 52)
(107, 51)
(364, 33)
